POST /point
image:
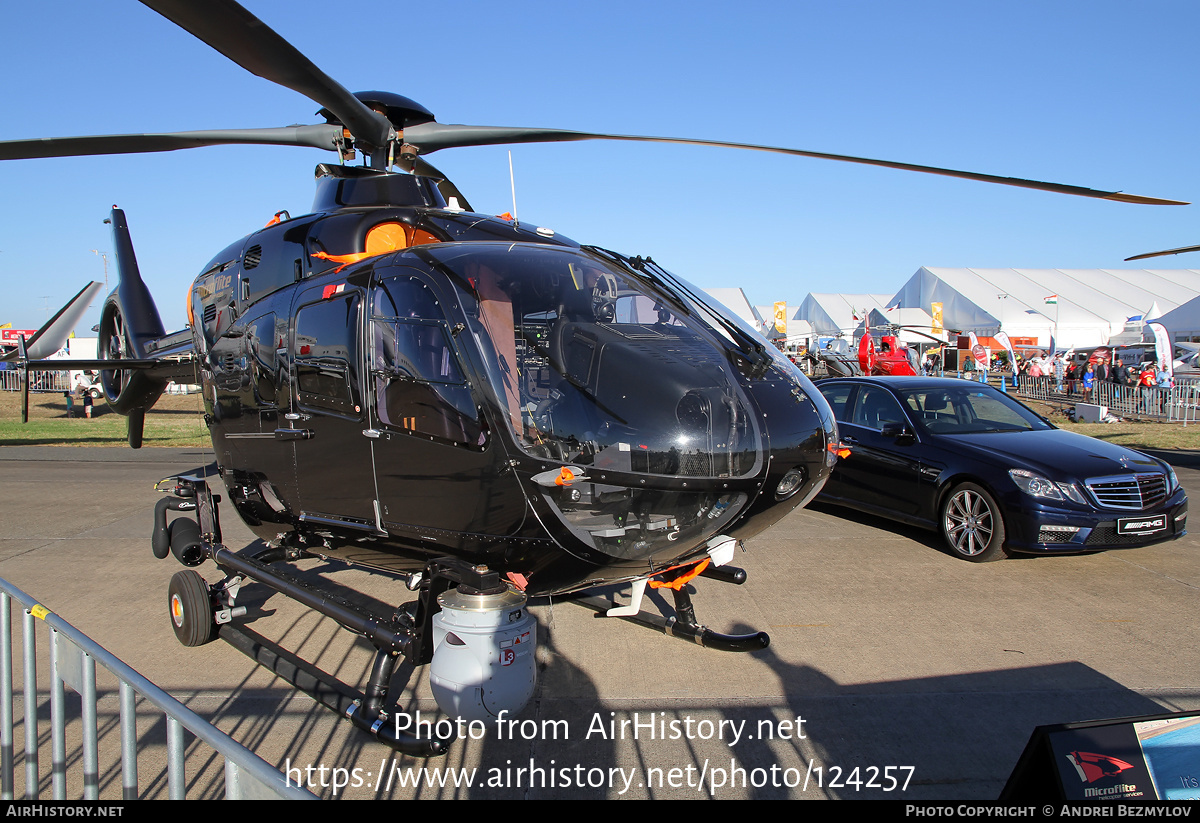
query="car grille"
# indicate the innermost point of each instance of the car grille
(1107, 536)
(1130, 492)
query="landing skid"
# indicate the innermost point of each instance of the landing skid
(683, 625)
(344, 700)
(459, 608)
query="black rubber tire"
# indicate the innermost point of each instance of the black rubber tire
(972, 524)
(190, 609)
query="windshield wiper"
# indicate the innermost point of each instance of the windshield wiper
(760, 359)
(635, 265)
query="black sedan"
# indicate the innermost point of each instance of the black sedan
(990, 474)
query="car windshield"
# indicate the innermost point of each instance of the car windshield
(969, 411)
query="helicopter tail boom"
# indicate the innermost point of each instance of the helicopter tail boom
(131, 332)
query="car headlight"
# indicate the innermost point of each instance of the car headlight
(1035, 485)
(1172, 480)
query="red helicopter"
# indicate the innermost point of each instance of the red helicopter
(891, 358)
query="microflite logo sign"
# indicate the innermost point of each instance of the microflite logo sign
(1102, 763)
(1093, 767)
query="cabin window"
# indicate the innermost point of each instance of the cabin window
(326, 356)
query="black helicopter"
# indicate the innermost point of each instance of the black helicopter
(484, 408)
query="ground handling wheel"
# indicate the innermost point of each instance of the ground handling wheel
(191, 610)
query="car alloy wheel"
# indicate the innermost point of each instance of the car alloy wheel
(972, 524)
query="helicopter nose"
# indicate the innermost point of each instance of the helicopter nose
(799, 427)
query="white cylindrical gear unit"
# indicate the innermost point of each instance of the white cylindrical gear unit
(483, 654)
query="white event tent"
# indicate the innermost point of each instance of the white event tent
(1088, 306)
(736, 301)
(829, 314)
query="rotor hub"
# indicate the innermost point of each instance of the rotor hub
(399, 110)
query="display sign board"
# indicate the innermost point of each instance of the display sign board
(1156, 757)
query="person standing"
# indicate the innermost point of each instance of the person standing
(1117, 373)
(1060, 372)
(1089, 382)
(1162, 381)
(1148, 379)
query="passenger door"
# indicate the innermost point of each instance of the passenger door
(335, 477)
(883, 472)
(437, 465)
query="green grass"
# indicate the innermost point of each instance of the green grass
(175, 421)
(1132, 434)
(1140, 435)
(100, 432)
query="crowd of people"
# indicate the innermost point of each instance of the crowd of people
(1084, 378)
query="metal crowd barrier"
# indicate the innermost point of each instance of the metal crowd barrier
(58, 381)
(1179, 403)
(73, 658)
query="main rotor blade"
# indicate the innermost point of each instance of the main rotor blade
(431, 137)
(324, 136)
(1183, 250)
(253, 45)
(53, 335)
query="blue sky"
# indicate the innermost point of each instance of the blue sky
(1087, 93)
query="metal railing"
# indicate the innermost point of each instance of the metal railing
(59, 381)
(1179, 403)
(73, 658)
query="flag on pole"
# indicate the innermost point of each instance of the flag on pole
(781, 317)
(1052, 300)
(1003, 339)
(1163, 349)
(978, 352)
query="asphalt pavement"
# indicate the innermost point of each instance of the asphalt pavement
(894, 670)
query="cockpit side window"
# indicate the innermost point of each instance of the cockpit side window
(419, 384)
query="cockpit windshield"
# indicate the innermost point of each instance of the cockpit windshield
(596, 366)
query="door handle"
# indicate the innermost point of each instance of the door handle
(293, 434)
